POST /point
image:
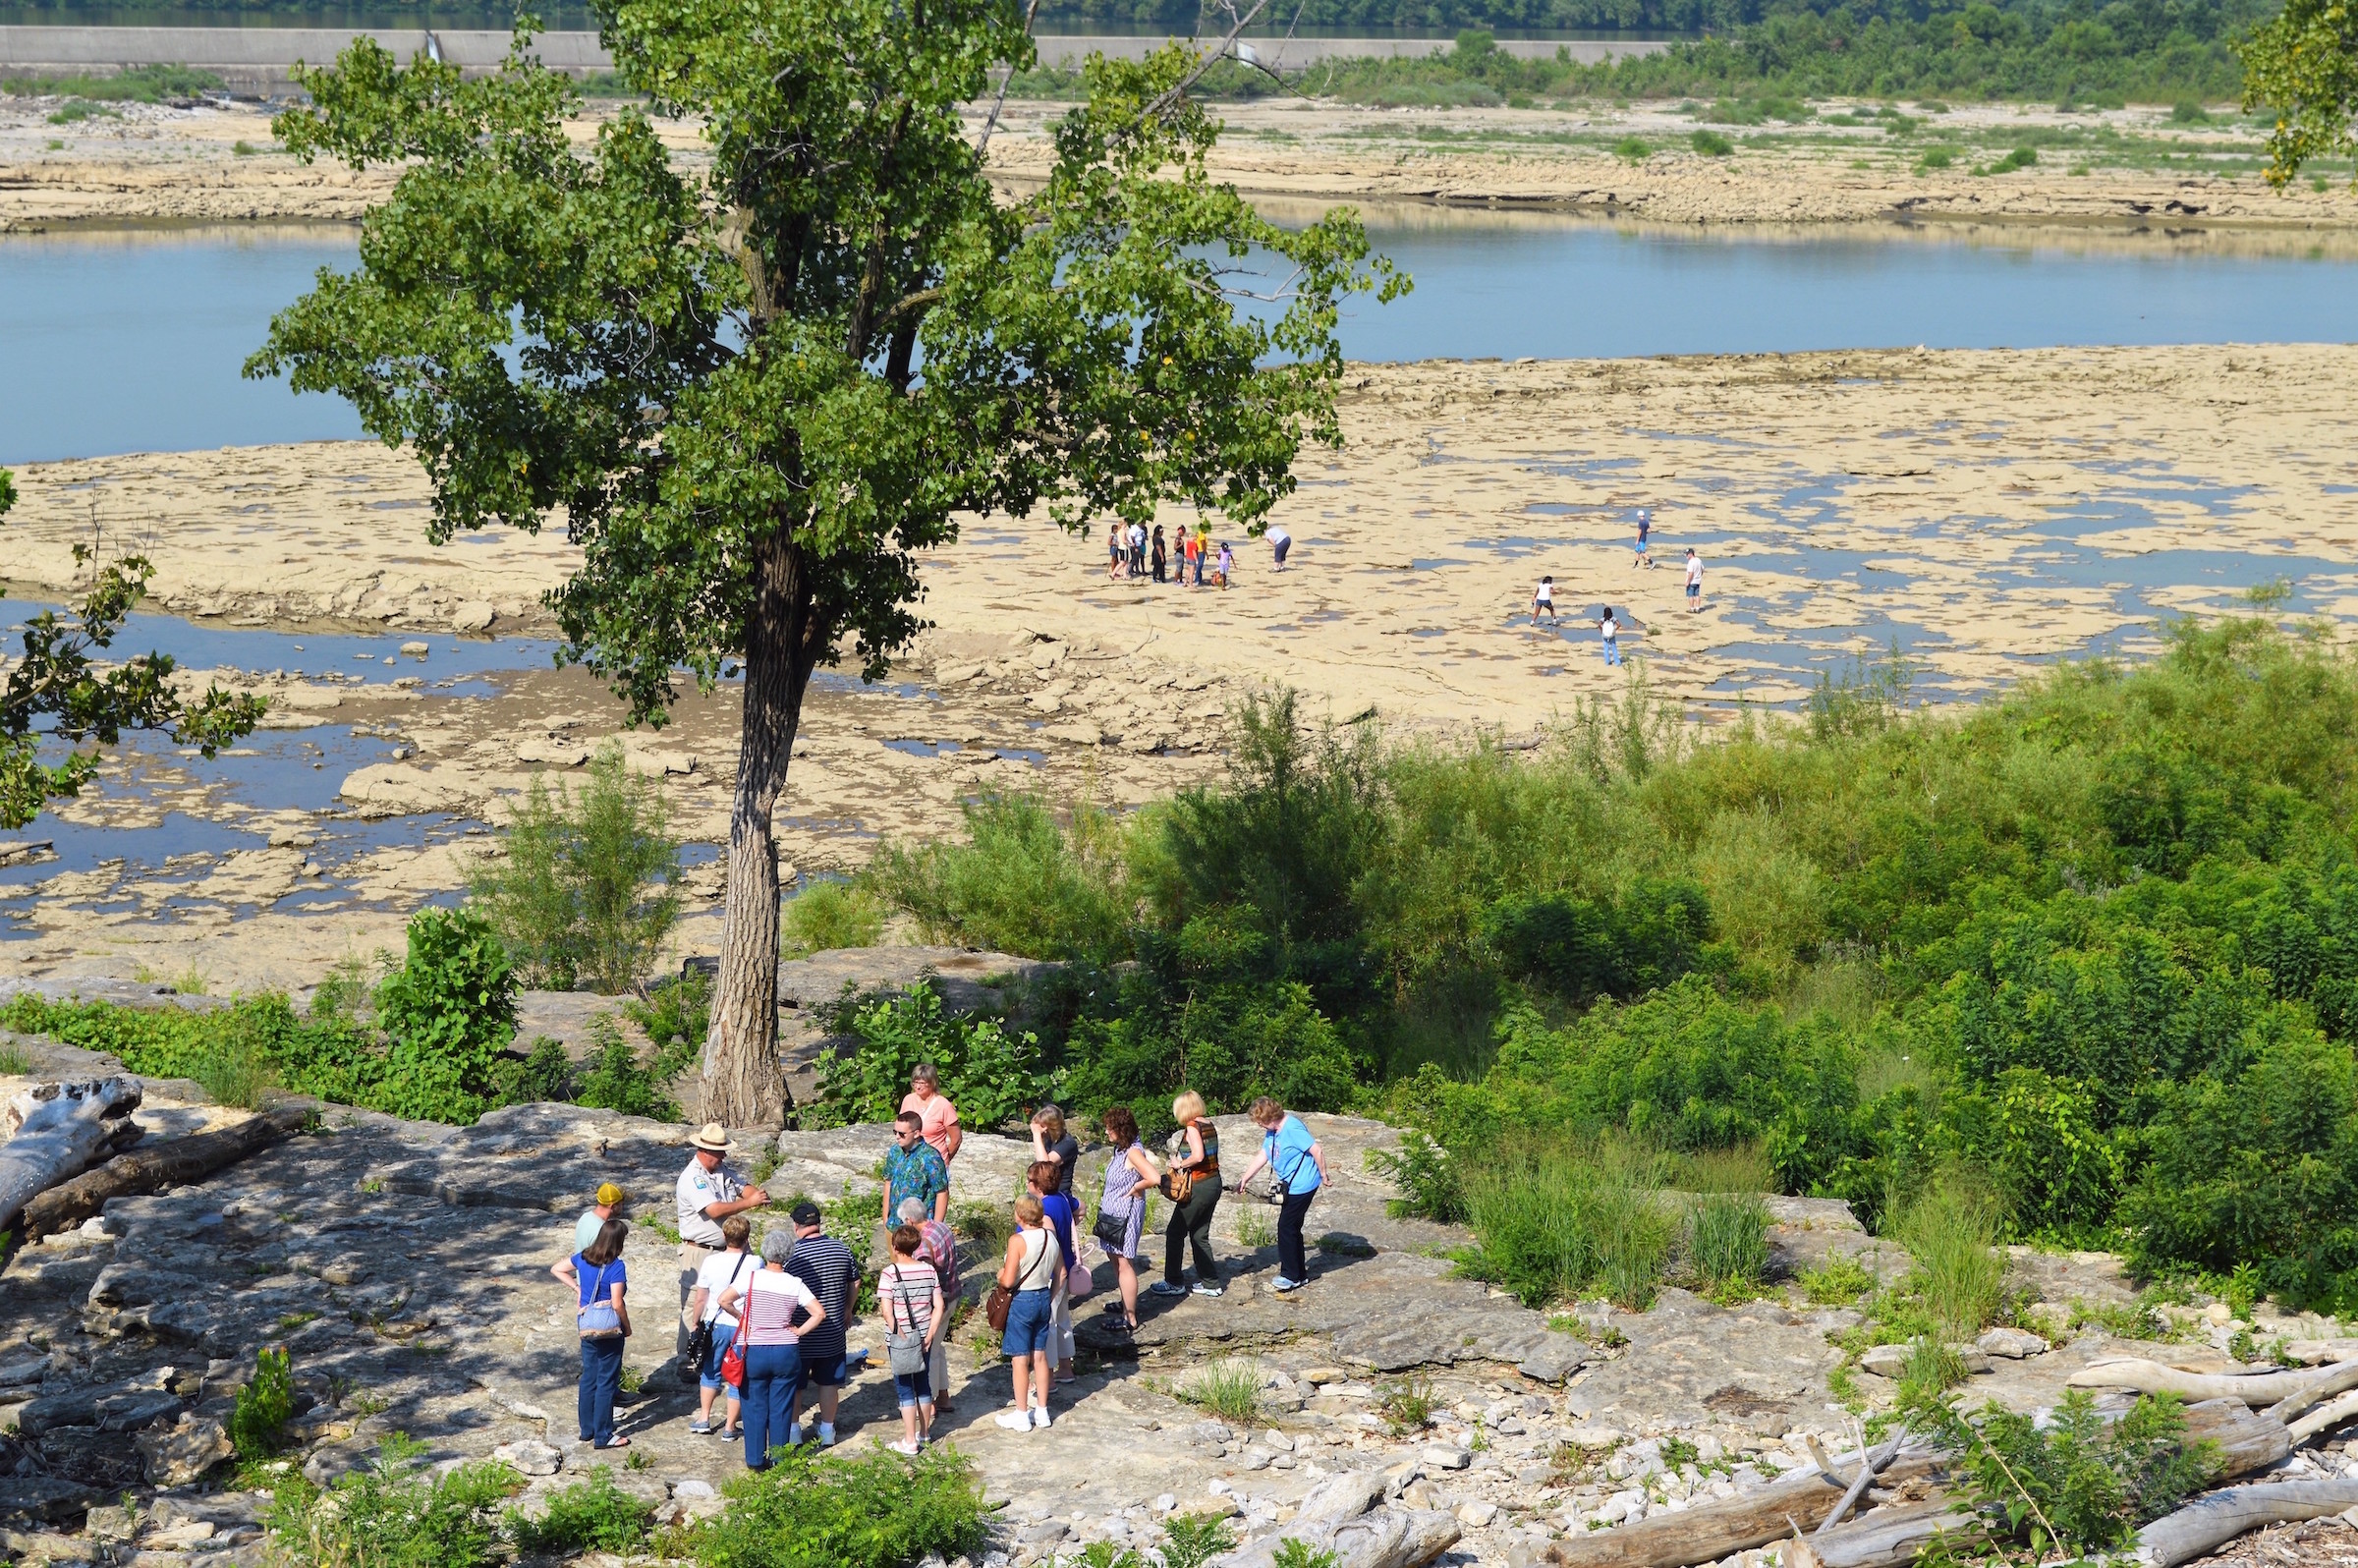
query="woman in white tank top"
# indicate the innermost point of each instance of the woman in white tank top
(1030, 1271)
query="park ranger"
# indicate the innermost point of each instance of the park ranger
(709, 1192)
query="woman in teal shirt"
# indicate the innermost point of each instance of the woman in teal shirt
(1294, 1158)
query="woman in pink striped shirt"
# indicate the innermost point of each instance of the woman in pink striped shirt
(773, 1357)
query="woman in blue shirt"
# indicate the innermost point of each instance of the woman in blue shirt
(603, 1321)
(1294, 1158)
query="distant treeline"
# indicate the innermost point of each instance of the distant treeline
(2149, 51)
(2146, 21)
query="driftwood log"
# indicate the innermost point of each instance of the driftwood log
(2338, 1378)
(1340, 1515)
(2153, 1378)
(2210, 1521)
(152, 1167)
(57, 1131)
(1890, 1538)
(1711, 1530)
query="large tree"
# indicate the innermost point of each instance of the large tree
(2302, 63)
(61, 687)
(755, 384)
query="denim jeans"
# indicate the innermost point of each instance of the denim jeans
(601, 1381)
(771, 1373)
(1292, 1262)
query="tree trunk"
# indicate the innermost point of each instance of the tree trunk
(57, 1131)
(2208, 1523)
(175, 1163)
(743, 1085)
(1714, 1530)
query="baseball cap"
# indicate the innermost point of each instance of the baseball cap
(608, 1195)
(805, 1212)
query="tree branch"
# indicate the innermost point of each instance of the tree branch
(982, 144)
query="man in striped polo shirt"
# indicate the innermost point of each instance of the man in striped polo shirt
(828, 1267)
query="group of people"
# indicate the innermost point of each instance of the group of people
(766, 1335)
(1608, 625)
(1131, 551)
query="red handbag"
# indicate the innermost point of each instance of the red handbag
(732, 1366)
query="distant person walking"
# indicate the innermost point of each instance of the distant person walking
(1195, 1165)
(1160, 556)
(1280, 542)
(723, 1271)
(1542, 601)
(934, 1109)
(1645, 556)
(1299, 1167)
(1611, 630)
(1225, 572)
(1694, 581)
(1137, 549)
(768, 1304)
(1122, 1208)
(1113, 553)
(602, 1320)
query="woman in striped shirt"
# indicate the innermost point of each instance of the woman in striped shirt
(909, 1294)
(773, 1357)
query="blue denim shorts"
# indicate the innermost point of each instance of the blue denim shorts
(913, 1389)
(1030, 1322)
(723, 1334)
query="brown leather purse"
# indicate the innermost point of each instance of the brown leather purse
(1176, 1184)
(997, 1306)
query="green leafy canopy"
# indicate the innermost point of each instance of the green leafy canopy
(58, 685)
(835, 334)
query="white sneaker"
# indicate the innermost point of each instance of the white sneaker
(1014, 1419)
(1040, 1421)
(904, 1447)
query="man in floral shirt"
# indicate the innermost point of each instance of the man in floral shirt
(914, 1168)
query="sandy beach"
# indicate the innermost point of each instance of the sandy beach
(1989, 512)
(148, 164)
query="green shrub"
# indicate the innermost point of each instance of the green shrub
(448, 1012)
(1838, 1282)
(1555, 1219)
(826, 916)
(1022, 884)
(2019, 158)
(257, 1423)
(1634, 148)
(586, 889)
(990, 1074)
(544, 1073)
(874, 1511)
(615, 1079)
(1623, 946)
(1407, 1404)
(76, 110)
(2074, 1483)
(2188, 111)
(1426, 1176)
(393, 1515)
(1937, 157)
(675, 1014)
(1711, 144)
(593, 1515)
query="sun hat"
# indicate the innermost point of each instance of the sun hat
(609, 1195)
(714, 1138)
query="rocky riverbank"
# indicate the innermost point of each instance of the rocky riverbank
(402, 1265)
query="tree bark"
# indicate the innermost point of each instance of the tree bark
(57, 1131)
(743, 1085)
(175, 1163)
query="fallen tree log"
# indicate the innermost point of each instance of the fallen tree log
(2339, 1379)
(1711, 1530)
(1892, 1538)
(176, 1162)
(2324, 1420)
(2248, 1440)
(2210, 1522)
(2152, 1377)
(57, 1131)
(1340, 1515)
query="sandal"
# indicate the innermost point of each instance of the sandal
(619, 1443)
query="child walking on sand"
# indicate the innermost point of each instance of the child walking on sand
(1542, 601)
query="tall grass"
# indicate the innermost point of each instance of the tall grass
(827, 916)
(1022, 883)
(1951, 1230)
(1555, 1217)
(1727, 1240)
(1229, 1389)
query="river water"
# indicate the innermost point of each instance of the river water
(131, 340)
